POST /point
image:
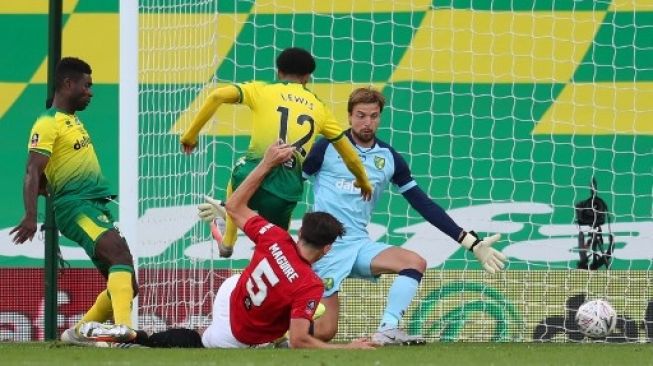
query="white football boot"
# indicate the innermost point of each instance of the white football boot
(99, 332)
(396, 336)
(72, 336)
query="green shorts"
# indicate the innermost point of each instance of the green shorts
(277, 210)
(84, 222)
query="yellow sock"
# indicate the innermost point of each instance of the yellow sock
(100, 311)
(231, 231)
(122, 293)
(230, 234)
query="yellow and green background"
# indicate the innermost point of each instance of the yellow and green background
(489, 101)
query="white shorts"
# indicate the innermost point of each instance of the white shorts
(218, 334)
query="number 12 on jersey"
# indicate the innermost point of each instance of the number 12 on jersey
(301, 119)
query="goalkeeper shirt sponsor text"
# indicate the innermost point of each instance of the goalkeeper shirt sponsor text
(333, 185)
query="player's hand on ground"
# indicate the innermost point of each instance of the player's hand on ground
(362, 343)
(366, 189)
(492, 260)
(211, 209)
(187, 144)
(278, 153)
(24, 231)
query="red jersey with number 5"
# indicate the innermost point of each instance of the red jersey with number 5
(276, 286)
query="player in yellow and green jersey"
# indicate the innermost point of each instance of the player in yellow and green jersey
(284, 110)
(61, 154)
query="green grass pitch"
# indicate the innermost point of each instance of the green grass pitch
(485, 354)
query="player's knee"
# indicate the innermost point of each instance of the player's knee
(324, 329)
(329, 332)
(418, 263)
(414, 261)
(122, 258)
(113, 249)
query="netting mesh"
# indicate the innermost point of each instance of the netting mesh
(504, 110)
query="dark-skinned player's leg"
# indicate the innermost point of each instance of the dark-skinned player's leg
(90, 224)
(114, 260)
(112, 250)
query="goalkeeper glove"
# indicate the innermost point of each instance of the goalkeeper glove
(491, 259)
(188, 144)
(211, 209)
(366, 189)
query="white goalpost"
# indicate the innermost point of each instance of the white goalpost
(506, 111)
(128, 114)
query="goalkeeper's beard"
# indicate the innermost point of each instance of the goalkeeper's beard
(364, 136)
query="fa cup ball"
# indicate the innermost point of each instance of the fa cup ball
(596, 318)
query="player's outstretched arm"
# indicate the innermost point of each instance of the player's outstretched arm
(355, 166)
(300, 338)
(31, 185)
(237, 204)
(431, 211)
(227, 94)
(491, 259)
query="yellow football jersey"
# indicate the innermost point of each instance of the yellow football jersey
(286, 111)
(73, 170)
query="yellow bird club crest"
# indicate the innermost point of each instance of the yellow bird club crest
(328, 283)
(379, 162)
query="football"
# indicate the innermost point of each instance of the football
(596, 318)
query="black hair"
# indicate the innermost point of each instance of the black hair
(295, 61)
(71, 68)
(320, 229)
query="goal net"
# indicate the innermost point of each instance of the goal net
(505, 112)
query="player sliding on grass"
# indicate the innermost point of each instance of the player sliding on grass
(283, 110)
(278, 291)
(355, 254)
(61, 149)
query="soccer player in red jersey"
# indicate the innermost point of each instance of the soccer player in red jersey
(278, 291)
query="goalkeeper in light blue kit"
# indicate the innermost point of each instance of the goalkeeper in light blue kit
(355, 254)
